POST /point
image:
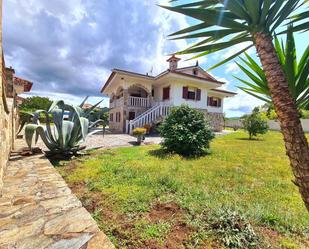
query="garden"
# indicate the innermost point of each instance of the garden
(197, 190)
(239, 195)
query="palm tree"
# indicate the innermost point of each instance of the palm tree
(225, 23)
(297, 77)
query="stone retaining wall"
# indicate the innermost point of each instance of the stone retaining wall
(7, 134)
(8, 115)
(215, 119)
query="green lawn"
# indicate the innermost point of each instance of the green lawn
(144, 198)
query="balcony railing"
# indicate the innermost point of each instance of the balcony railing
(139, 102)
(133, 101)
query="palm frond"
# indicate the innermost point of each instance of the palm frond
(296, 72)
(235, 22)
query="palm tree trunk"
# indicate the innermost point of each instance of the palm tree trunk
(296, 143)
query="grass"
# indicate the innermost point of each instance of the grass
(122, 186)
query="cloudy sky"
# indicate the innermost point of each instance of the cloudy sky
(68, 48)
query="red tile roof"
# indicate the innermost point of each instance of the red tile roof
(200, 78)
(210, 79)
(27, 84)
(173, 58)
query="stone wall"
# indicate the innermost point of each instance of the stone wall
(8, 114)
(216, 119)
(7, 129)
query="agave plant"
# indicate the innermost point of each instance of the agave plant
(297, 73)
(66, 136)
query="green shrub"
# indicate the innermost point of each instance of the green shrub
(272, 115)
(235, 127)
(304, 114)
(186, 131)
(233, 229)
(255, 124)
(35, 103)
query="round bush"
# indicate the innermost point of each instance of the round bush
(255, 124)
(186, 131)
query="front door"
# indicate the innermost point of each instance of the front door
(131, 115)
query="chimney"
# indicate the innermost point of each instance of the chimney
(173, 62)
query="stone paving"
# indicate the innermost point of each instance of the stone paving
(38, 210)
(116, 140)
(111, 140)
(124, 140)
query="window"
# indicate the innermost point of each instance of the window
(118, 115)
(195, 72)
(111, 117)
(166, 93)
(191, 93)
(213, 101)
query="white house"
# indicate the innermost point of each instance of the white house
(138, 99)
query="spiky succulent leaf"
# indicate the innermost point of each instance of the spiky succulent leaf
(83, 102)
(66, 135)
(296, 73)
(30, 130)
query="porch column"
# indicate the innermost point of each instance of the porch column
(150, 100)
(125, 97)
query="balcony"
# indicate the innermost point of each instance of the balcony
(139, 102)
(133, 101)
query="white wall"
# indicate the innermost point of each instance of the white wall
(273, 125)
(176, 98)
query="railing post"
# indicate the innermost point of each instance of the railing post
(127, 126)
(130, 127)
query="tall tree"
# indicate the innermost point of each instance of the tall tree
(226, 23)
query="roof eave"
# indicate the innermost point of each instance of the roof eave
(224, 92)
(200, 79)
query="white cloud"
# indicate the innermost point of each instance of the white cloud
(70, 47)
(241, 104)
(232, 68)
